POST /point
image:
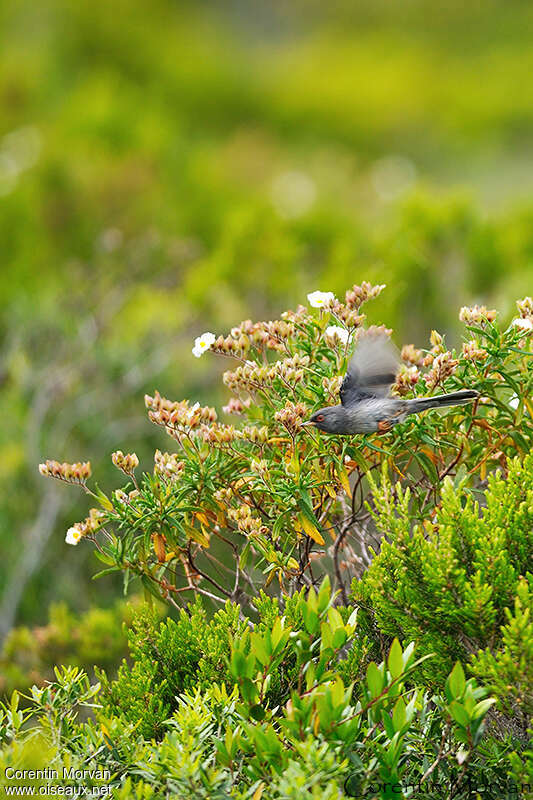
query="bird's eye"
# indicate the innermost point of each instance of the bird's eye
(320, 418)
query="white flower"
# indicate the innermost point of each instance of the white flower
(193, 409)
(320, 299)
(203, 343)
(335, 331)
(73, 535)
(514, 401)
(523, 322)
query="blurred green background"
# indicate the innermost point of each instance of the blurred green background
(169, 167)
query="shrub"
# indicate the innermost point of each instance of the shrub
(238, 507)
(279, 692)
(323, 735)
(459, 583)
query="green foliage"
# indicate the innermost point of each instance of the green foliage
(95, 637)
(508, 667)
(169, 658)
(239, 741)
(459, 585)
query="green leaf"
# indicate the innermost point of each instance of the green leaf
(398, 715)
(150, 586)
(339, 638)
(324, 595)
(238, 664)
(243, 560)
(481, 708)
(335, 619)
(374, 679)
(395, 661)
(257, 712)
(456, 680)
(103, 499)
(107, 571)
(277, 634)
(459, 713)
(103, 557)
(259, 649)
(359, 459)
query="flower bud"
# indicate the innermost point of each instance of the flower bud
(78, 472)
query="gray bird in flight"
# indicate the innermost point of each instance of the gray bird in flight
(366, 404)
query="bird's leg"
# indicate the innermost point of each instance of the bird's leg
(384, 425)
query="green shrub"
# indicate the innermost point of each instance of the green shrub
(169, 658)
(282, 692)
(459, 582)
(220, 742)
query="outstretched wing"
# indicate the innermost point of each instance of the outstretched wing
(371, 371)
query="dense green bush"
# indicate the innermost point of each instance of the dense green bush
(239, 506)
(316, 736)
(459, 583)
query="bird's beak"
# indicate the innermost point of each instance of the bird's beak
(308, 422)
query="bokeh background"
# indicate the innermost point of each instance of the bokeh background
(168, 168)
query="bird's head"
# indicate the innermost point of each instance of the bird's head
(328, 419)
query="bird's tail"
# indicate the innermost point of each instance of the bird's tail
(441, 400)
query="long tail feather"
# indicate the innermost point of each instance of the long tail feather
(439, 401)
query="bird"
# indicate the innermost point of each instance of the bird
(366, 403)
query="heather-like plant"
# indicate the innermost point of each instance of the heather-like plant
(239, 505)
(460, 583)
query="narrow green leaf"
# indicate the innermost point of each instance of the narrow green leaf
(459, 713)
(398, 715)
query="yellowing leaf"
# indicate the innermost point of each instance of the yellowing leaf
(311, 530)
(159, 547)
(429, 453)
(343, 477)
(298, 528)
(201, 517)
(257, 795)
(202, 537)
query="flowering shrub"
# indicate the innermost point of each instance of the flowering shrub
(242, 504)
(304, 691)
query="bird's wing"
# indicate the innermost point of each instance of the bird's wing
(371, 371)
